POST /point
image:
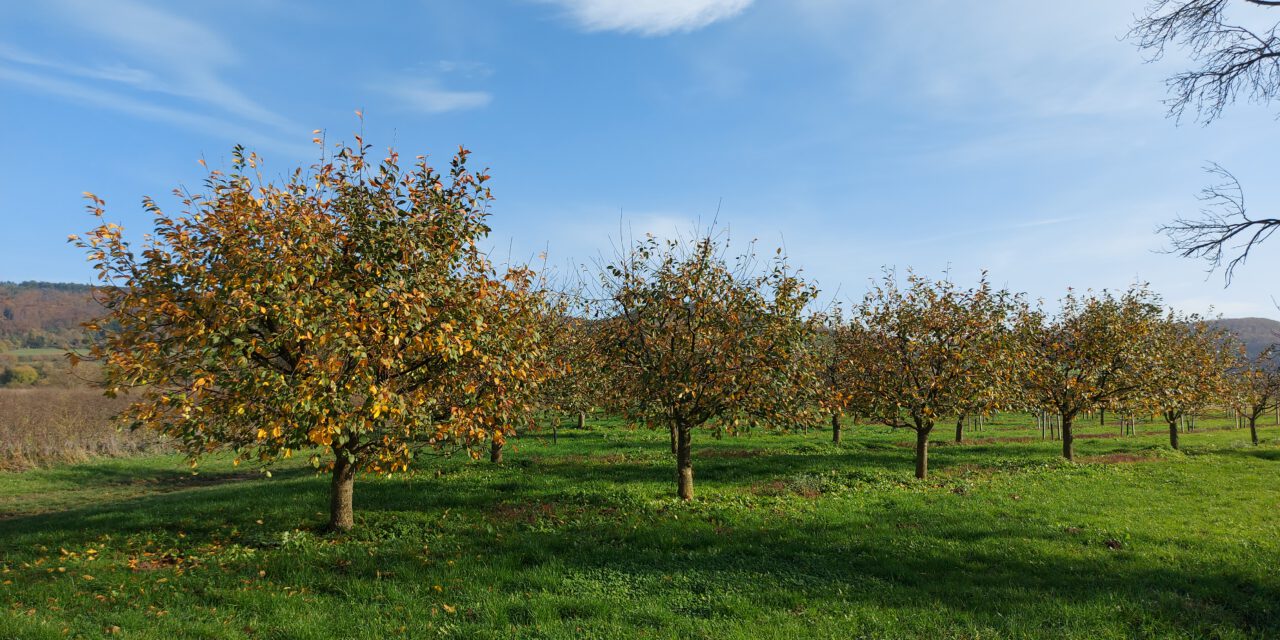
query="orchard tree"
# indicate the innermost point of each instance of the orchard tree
(931, 350)
(1255, 387)
(1187, 368)
(695, 338)
(1089, 355)
(578, 383)
(832, 353)
(348, 314)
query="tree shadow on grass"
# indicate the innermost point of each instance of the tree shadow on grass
(931, 557)
(1257, 453)
(1002, 575)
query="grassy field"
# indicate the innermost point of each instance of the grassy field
(40, 352)
(789, 537)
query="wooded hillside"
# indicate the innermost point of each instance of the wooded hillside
(44, 314)
(1256, 333)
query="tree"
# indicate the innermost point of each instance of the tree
(20, 375)
(1234, 61)
(927, 351)
(349, 311)
(694, 338)
(571, 366)
(1256, 387)
(1188, 363)
(1090, 354)
(578, 383)
(832, 361)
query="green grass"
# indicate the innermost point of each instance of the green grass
(38, 352)
(789, 537)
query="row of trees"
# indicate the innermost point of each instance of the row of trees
(351, 315)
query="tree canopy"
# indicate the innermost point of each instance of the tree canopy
(349, 308)
(695, 337)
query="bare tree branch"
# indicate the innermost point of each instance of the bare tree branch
(1233, 62)
(1224, 226)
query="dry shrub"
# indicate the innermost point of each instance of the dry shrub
(49, 425)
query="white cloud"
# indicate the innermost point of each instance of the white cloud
(649, 17)
(181, 57)
(423, 88)
(142, 109)
(428, 98)
(1022, 58)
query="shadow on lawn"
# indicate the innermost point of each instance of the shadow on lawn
(108, 474)
(898, 558)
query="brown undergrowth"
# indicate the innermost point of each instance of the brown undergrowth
(49, 425)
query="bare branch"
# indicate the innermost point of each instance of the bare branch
(1224, 228)
(1234, 61)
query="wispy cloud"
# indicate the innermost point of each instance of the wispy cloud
(147, 110)
(432, 88)
(648, 17)
(169, 54)
(1022, 58)
(424, 96)
(115, 72)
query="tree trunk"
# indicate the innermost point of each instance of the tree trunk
(341, 513)
(684, 463)
(582, 419)
(1253, 429)
(922, 453)
(959, 429)
(495, 452)
(555, 431)
(1102, 417)
(835, 427)
(1173, 433)
(674, 448)
(1068, 440)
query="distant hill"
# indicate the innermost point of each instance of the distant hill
(1256, 333)
(36, 315)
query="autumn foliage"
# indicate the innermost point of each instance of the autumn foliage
(696, 338)
(1092, 353)
(930, 350)
(348, 312)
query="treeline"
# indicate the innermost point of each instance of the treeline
(351, 314)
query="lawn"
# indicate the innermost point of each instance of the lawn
(788, 537)
(35, 352)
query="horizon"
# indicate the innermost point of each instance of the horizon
(1038, 149)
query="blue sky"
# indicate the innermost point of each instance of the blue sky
(1021, 137)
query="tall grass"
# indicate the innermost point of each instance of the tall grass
(50, 425)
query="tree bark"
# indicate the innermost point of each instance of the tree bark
(835, 427)
(341, 512)
(1253, 429)
(495, 452)
(922, 453)
(1068, 440)
(555, 431)
(582, 419)
(674, 448)
(959, 429)
(1173, 433)
(684, 462)
(1102, 417)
